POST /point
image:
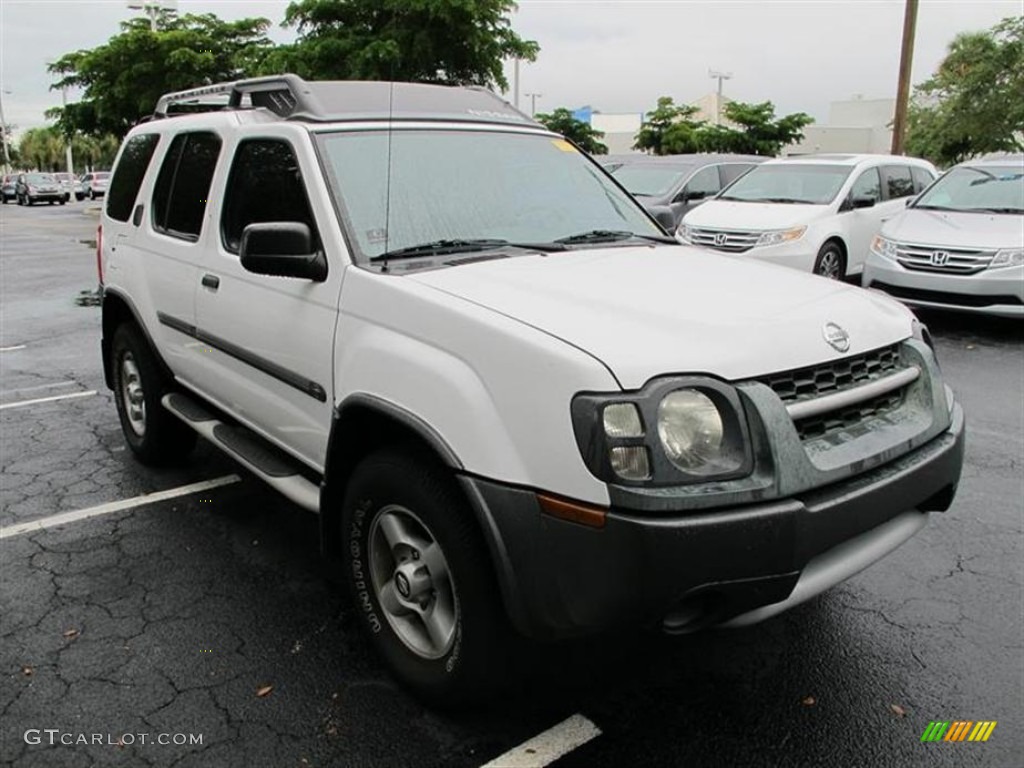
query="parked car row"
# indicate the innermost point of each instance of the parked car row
(955, 243)
(30, 188)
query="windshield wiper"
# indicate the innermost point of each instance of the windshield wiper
(1005, 209)
(611, 236)
(459, 245)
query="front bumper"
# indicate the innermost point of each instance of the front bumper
(998, 292)
(46, 195)
(685, 571)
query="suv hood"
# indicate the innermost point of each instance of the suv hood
(727, 214)
(651, 310)
(953, 229)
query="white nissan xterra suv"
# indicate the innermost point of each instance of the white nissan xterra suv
(516, 404)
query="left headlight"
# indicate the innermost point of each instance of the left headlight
(1008, 257)
(674, 431)
(776, 236)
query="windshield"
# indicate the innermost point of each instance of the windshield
(62, 176)
(102, 176)
(650, 180)
(992, 189)
(39, 178)
(470, 185)
(789, 183)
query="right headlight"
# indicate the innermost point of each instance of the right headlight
(683, 234)
(884, 247)
(675, 430)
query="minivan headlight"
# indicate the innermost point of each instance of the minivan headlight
(673, 431)
(683, 234)
(776, 236)
(1008, 257)
(884, 247)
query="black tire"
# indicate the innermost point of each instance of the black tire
(162, 439)
(92, 195)
(831, 261)
(63, 201)
(394, 482)
(52, 202)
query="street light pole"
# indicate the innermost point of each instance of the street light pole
(67, 139)
(153, 9)
(719, 76)
(533, 102)
(6, 136)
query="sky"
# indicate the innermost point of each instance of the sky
(615, 55)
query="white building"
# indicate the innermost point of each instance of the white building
(854, 125)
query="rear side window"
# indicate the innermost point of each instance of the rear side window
(265, 185)
(128, 176)
(897, 180)
(922, 178)
(179, 197)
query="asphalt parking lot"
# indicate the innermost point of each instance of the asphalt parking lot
(210, 612)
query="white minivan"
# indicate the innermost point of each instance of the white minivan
(817, 213)
(960, 246)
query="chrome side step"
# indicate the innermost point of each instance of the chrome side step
(270, 464)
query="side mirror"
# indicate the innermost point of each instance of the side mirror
(664, 216)
(283, 249)
(863, 202)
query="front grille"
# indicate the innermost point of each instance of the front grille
(845, 418)
(944, 297)
(815, 381)
(949, 261)
(729, 240)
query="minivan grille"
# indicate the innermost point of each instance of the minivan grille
(730, 240)
(951, 261)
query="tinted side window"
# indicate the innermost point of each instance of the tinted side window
(867, 185)
(922, 178)
(704, 183)
(128, 175)
(732, 171)
(179, 197)
(898, 181)
(265, 184)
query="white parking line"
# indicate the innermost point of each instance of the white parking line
(36, 388)
(12, 349)
(23, 403)
(115, 506)
(547, 747)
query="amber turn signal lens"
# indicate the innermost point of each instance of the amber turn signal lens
(573, 511)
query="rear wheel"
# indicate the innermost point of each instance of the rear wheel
(831, 261)
(420, 577)
(154, 435)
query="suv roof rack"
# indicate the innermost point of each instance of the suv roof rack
(291, 98)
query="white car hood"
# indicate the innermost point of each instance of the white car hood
(952, 229)
(726, 214)
(646, 311)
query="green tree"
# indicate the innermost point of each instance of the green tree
(123, 78)
(42, 149)
(456, 42)
(758, 132)
(583, 134)
(669, 129)
(974, 103)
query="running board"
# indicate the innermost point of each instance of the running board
(270, 464)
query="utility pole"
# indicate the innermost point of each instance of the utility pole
(899, 121)
(533, 102)
(515, 82)
(67, 139)
(719, 76)
(6, 136)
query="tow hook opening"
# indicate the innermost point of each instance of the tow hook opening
(693, 612)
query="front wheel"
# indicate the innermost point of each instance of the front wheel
(155, 436)
(831, 262)
(420, 577)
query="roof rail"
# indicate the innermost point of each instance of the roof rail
(281, 94)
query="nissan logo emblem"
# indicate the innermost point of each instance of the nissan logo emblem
(837, 337)
(721, 238)
(939, 258)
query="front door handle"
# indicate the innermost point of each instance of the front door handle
(211, 281)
